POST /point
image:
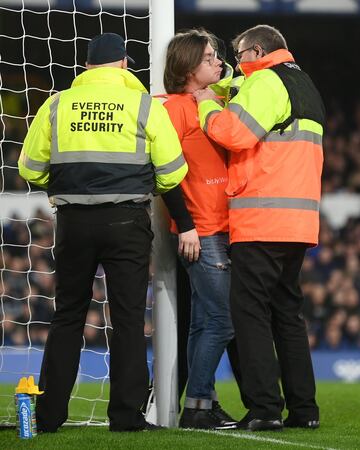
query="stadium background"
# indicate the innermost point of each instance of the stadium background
(324, 43)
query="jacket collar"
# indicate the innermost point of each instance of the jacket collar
(227, 76)
(109, 75)
(269, 60)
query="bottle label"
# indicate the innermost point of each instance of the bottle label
(25, 416)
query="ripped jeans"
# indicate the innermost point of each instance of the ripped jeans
(211, 326)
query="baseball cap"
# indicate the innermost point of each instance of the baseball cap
(105, 48)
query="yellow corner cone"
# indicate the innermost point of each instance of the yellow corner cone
(22, 386)
(27, 386)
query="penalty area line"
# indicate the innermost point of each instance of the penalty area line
(252, 437)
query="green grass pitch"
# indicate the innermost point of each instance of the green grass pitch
(340, 427)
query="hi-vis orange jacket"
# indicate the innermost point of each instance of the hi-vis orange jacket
(274, 179)
(204, 186)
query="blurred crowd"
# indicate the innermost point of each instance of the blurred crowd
(330, 276)
(342, 149)
(330, 282)
(331, 285)
(27, 284)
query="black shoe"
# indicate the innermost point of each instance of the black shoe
(250, 423)
(45, 430)
(311, 424)
(204, 419)
(221, 414)
(147, 426)
(152, 427)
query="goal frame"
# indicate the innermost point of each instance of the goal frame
(162, 25)
(164, 403)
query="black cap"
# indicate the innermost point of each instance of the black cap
(106, 48)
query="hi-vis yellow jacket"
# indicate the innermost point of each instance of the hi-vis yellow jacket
(103, 140)
(274, 178)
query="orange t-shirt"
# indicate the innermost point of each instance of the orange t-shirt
(204, 185)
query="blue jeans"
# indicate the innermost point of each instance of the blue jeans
(211, 326)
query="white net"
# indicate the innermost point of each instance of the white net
(43, 48)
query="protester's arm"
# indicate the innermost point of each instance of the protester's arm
(189, 243)
(175, 203)
(34, 160)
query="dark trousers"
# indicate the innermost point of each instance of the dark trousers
(119, 238)
(266, 306)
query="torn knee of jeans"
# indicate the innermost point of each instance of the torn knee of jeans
(222, 266)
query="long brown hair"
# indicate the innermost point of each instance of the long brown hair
(184, 53)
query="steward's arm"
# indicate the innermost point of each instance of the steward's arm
(261, 102)
(34, 160)
(166, 155)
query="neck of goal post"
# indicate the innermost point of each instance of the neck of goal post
(164, 280)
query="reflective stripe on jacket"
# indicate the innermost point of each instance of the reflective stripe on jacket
(274, 179)
(103, 140)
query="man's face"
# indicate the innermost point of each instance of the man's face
(246, 53)
(209, 70)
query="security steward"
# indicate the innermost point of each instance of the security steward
(273, 129)
(100, 149)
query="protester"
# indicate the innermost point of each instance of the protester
(192, 63)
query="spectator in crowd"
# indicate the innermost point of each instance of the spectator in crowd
(100, 149)
(352, 331)
(332, 303)
(342, 147)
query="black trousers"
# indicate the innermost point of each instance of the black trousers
(266, 306)
(119, 238)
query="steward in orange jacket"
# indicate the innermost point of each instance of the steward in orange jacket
(274, 176)
(273, 128)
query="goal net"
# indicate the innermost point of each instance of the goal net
(43, 48)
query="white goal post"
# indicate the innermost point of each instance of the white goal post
(27, 210)
(164, 281)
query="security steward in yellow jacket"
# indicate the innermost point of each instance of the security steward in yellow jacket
(273, 129)
(100, 149)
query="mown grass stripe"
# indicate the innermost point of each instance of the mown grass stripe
(253, 437)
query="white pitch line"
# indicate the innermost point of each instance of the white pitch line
(261, 439)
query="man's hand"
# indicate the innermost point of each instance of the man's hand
(189, 245)
(205, 94)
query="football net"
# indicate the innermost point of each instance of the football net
(44, 48)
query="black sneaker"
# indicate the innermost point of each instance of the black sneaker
(152, 427)
(311, 424)
(204, 419)
(221, 414)
(249, 423)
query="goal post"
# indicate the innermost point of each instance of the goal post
(39, 49)
(164, 280)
